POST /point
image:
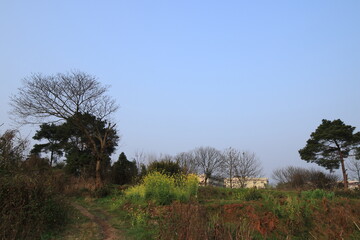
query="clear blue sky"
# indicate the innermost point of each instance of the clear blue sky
(254, 75)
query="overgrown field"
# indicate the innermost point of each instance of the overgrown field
(165, 207)
(170, 208)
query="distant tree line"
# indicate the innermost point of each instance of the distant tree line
(210, 162)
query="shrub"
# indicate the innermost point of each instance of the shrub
(192, 184)
(248, 194)
(159, 187)
(165, 166)
(135, 193)
(163, 189)
(297, 177)
(29, 207)
(348, 193)
(102, 191)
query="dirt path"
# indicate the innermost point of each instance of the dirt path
(108, 232)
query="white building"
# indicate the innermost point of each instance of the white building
(247, 182)
(236, 183)
(353, 184)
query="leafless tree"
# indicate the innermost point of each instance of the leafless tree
(297, 177)
(61, 97)
(12, 149)
(353, 166)
(187, 162)
(139, 158)
(231, 160)
(285, 175)
(209, 160)
(247, 166)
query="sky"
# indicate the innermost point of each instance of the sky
(252, 75)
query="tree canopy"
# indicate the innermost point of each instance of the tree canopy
(80, 150)
(123, 171)
(209, 160)
(330, 144)
(54, 136)
(165, 166)
(60, 97)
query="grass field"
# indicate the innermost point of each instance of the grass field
(218, 213)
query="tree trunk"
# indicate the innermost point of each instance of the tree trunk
(51, 157)
(343, 170)
(231, 176)
(98, 178)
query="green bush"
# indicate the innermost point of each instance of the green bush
(163, 189)
(159, 187)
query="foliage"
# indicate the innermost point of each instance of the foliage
(84, 139)
(123, 171)
(163, 189)
(355, 194)
(159, 187)
(248, 194)
(90, 139)
(29, 206)
(330, 145)
(317, 194)
(79, 162)
(136, 193)
(54, 136)
(276, 215)
(78, 99)
(102, 191)
(167, 167)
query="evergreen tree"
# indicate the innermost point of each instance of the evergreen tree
(54, 136)
(87, 149)
(123, 171)
(330, 144)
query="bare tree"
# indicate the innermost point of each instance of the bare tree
(297, 177)
(247, 166)
(12, 148)
(209, 160)
(231, 160)
(139, 158)
(353, 166)
(62, 97)
(187, 162)
(288, 174)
